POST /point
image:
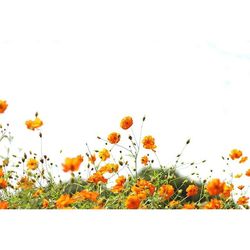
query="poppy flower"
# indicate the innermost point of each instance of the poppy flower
(126, 122)
(34, 124)
(114, 138)
(72, 164)
(3, 106)
(132, 202)
(235, 154)
(215, 187)
(149, 142)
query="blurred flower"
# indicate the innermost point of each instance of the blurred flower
(97, 177)
(45, 203)
(235, 154)
(214, 204)
(4, 205)
(72, 164)
(192, 190)
(114, 138)
(166, 191)
(119, 184)
(126, 122)
(248, 172)
(38, 193)
(85, 194)
(104, 154)
(25, 183)
(243, 200)
(227, 189)
(243, 159)
(64, 201)
(132, 202)
(144, 160)
(238, 175)
(3, 183)
(3, 106)
(1, 172)
(32, 125)
(32, 164)
(215, 187)
(189, 206)
(241, 187)
(149, 142)
(173, 203)
(92, 159)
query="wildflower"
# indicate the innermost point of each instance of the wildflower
(119, 184)
(45, 203)
(238, 175)
(143, 188)
(72, 164)
(144, 160)
(248, 172)
(173, 203)
(92, 159)
(243, 159)
(25, 183)
(4, 205)
(97, 177)
(215, 187)
(189, 206)
(149, 142)
(214, 204)
(227, 190)
(240, 187)
(126, 122)
(132, 202)
(3, 183)
(166, 191)
(32, 125)
(85, 194)
(38, 193)
(1, 172)
(3, 106)
(235, 154)
(114, 138)
(110, 167)
(243, 200)
(192, 190)
(104, 154)
(64, 201)
(32, 164)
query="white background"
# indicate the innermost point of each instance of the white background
(85, 64)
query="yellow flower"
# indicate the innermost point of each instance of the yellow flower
(32, 164)
(32, 125)
(104, 154)
(235, 154)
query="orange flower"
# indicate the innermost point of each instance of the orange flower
(32, 125)
(241, 187)
(32, 164)
(4, 205)
(248, 172)
(215, 187)
(143, 188)
(189, 206)
(227, 190)
(126, 122)
(114, 138)
(64, 201)
(104, 154)
(45, 203)
(144, 160)
(110, 167)
(85, 194)
(3, 106)
(243, 200)
(149, 142)
(173, 203)
(97, 177)
(1, 172)
(38, 193)
(119, 184)
(243, 159)
(132, 202)
(214, 204)
(3, 183)
(166, 191)
(192, 190)
(72, 164)
(235, 154)
(25, 183)
(92, 159)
